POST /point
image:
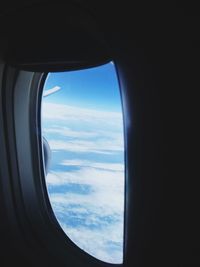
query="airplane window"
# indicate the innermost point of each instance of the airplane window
(82, 128)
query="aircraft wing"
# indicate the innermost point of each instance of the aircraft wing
(51, 91)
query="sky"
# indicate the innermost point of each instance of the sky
(83, 125)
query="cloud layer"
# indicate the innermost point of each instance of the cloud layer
(87, 192)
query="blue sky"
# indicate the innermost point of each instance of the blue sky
(93, 88)
(84, 127)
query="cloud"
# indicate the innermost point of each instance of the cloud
(90, 133)
(93, 164)
(82, 210)
(94, 219)
(95, 146)
(82, 130)
(51, 111)
(67, 132)
(109, 237)
(90, 140)
(99, 179)
(97, 215)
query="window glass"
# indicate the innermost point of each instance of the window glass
(82, 123)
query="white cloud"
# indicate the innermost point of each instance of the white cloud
(105, 200)
(67, 132)
(99, 204)
(95, 146)
(85, 130)
(107, 188)
(93, 164)
(103, 238)
(82, 130)
(100, 178)
(90, 133)
(51, 111)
